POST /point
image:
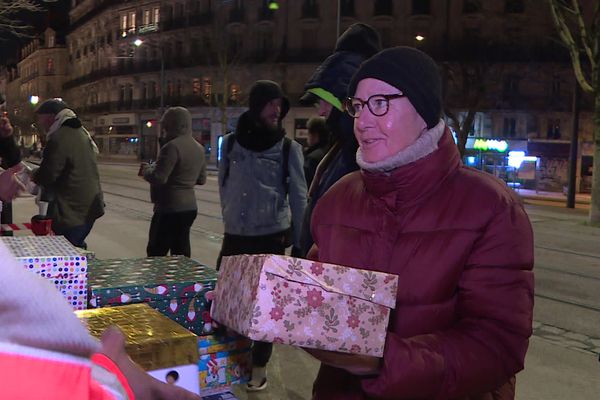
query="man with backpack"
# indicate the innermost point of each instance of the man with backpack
(261, 179)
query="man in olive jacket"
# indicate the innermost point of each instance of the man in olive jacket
(68, 173)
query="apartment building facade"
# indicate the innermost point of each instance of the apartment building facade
(205, 54)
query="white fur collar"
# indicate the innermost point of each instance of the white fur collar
(425, 144)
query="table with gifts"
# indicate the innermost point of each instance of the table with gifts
(163, 305)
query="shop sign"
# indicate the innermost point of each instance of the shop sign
(490, 145)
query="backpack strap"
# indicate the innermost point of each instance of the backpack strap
(287, 144)
(230, 143)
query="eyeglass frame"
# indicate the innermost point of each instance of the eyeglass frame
(387, 97)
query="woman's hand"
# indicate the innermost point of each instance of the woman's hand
(143, 385)
(354, 363)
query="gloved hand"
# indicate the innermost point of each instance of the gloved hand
(296, 252)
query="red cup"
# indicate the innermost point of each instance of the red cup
(41, 225)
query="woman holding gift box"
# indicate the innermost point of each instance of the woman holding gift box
(458, 239)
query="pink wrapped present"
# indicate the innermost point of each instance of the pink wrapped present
(304, 303)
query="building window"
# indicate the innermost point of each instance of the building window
(553, 131)
(156, 15)
(234, 93)
(206, 87)
(347, 8)
(510, 86)
(265, 44)
(421, 7)
(170, 89)
(146, 19)
(144, 91)
(310, 9)
(555, 86)
(132, 20)
(152, 90)
(510, 127)
(309, 38)
(514, 6)
(383, 7)
(51, 40)
(196, 87)
(386, 37)
(50, 66)
(471, 6)
(124, 22)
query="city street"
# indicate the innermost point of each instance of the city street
(562, 362)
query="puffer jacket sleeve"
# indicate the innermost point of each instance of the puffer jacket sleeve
(494, 307)
(167, 159)
(297, 189)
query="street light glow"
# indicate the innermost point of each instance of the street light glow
(273, 5)
(34, 99)
(138, 42)
(420, 38)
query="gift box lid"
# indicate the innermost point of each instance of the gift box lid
(40, 246)
(152, 340)
(119, 281)
(377, 287)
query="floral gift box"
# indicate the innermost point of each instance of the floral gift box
(304, 303)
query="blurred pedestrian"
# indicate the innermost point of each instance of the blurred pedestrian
(261, 180)
(318, 144)
(180, 166)
(10, 156)
(327, 88)
(68, 173)
(464, 305)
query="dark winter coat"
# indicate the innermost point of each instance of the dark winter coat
(354, 46)
(462, 246)
(312, 156)
(69, 171)
(181, 165)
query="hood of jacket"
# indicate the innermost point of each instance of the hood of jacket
(176, 121)
(356, 44)
(253, 135)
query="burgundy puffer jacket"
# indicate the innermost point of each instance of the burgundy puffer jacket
(462, 246)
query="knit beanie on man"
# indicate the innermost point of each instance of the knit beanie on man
(176, 121)
(413, 72)
(51, 106)
(262, 92)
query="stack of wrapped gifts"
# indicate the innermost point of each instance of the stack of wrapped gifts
(225, 360)
(55, 259)
(175, 286)
(304, 303)
(163, 348)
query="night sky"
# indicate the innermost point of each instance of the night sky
(56, 17)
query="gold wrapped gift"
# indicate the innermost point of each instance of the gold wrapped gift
(153, 340)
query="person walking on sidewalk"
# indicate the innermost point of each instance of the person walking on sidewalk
(180, 166)
(258, 188)
(68, 173)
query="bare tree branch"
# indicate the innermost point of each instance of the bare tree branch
(566, 36)
(8, 16)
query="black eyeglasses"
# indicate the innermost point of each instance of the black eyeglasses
(378, 104)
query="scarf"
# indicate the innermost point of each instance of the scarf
(61, 118)
(425, 144)
(254, 135)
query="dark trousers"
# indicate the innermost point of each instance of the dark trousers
(77, 234)
(170, 232)
(271, 244)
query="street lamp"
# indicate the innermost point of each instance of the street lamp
(137, 43)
